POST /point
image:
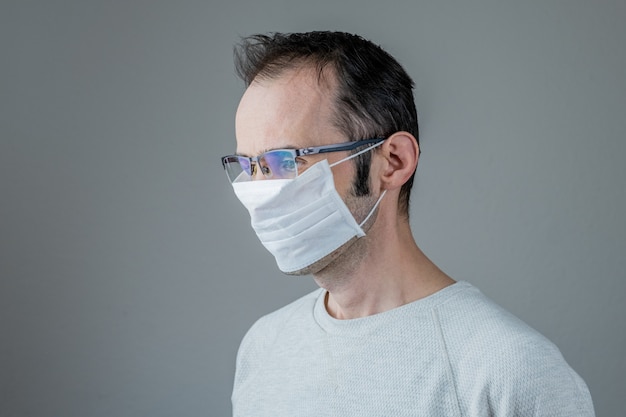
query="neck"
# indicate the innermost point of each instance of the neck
(381, 271)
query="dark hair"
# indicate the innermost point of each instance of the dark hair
(374, 96)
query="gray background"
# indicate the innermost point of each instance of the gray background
(128, 270)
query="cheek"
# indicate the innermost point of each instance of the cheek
(343, 175)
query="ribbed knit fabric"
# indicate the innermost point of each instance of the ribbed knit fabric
(454, 353)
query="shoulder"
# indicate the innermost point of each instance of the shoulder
(469, 314)
(470, 318)
(265, 330)
(499, 361)
(302, 307)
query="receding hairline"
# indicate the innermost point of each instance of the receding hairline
(324, 72)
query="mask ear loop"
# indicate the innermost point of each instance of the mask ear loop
(373, 208)
(381, 195)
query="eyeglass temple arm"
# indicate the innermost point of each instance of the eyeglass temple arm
(337, 147)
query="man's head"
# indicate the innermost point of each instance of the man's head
(371, 93)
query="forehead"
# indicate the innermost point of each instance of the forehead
(293, 110)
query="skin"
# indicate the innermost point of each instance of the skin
(369, 275)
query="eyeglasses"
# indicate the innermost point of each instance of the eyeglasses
(281, 163)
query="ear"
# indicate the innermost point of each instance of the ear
(401, 153)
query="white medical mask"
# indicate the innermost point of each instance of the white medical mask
(301, 220)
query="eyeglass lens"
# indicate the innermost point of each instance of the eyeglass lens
(278, 164)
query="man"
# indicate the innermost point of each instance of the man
(327, 147)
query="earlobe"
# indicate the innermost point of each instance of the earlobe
(401, 153)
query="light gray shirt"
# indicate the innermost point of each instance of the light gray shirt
(454, 353)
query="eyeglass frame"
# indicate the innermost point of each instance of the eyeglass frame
(312, 150)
